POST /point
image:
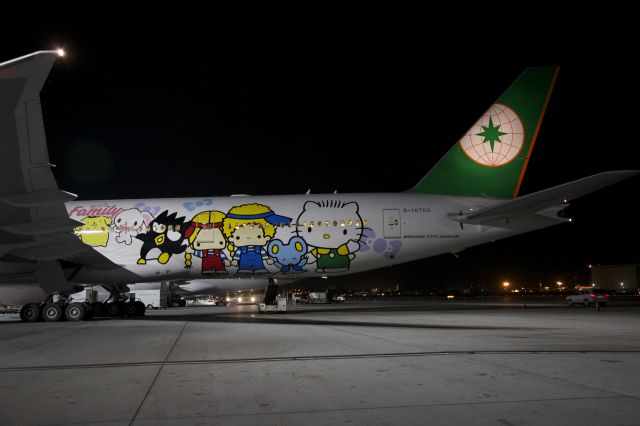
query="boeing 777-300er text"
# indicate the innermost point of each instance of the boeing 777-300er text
(52, 244)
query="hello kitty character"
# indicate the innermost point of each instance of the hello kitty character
(332, 230)
(129, 223)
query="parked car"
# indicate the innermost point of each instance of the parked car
(589, 297)
(628, 292)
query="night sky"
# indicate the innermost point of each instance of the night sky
(157, 101)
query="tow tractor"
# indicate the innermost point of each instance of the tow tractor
(280, 305)
(271, 302)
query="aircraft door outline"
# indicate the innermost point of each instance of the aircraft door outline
(391, 223)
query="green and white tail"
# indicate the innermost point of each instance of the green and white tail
(491, 158)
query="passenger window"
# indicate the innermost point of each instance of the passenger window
(335, 223)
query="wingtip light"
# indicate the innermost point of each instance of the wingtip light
(60, 52)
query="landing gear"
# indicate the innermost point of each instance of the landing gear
(30, 312)
(117, 305)
(77, 312)
(140, 308)
(52, 312)
(115, 309)
(57, 307)
(61, 306)
(130, 309)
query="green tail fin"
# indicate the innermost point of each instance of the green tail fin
(491, 158)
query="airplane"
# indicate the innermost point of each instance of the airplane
(53, 243)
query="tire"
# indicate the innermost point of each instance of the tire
(98, 309)
(149, 307)
(130, 309)
(114, 309)
(30, 312)
(140, 308)
(90, 311)
(586, 303)
(52, 312)
(75, 312)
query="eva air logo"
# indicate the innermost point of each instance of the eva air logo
(496, 138)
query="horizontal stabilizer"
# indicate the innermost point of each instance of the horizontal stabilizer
(541, 200)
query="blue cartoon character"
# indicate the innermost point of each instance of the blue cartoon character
(249, 228)
(290, 258)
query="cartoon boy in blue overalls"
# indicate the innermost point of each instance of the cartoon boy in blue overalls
(249, 228)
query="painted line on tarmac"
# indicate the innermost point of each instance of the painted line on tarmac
(317, 358)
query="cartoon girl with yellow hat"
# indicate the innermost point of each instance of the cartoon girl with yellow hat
(207, 242)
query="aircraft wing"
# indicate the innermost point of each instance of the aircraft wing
(34, 224)
(544, 202)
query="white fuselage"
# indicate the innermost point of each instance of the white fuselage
(315, 235)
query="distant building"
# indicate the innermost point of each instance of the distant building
(615, 277)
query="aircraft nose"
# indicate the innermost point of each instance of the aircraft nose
(326, 236)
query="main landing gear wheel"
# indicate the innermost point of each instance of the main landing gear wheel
(76, 312)
(140, 308)
(130, 309)
(90, 312)
(98, 309)
(115, 309)
(52, 312)
(30, 312)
